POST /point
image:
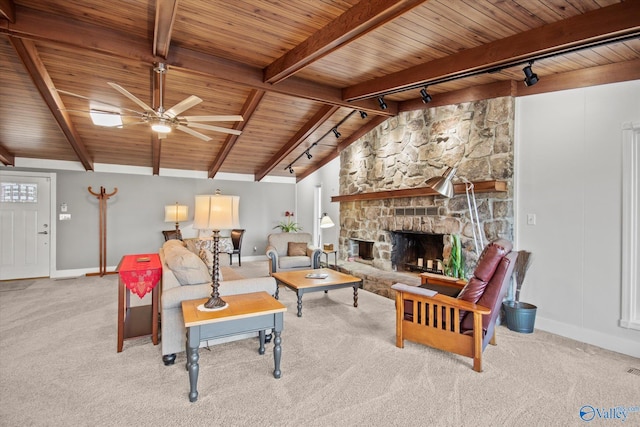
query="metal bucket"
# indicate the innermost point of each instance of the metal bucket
(520, 316)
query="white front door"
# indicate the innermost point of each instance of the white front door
(25, 232)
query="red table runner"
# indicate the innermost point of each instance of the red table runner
(140, 273)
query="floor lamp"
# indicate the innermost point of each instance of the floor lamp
(444, 186)
(325, 222)
(216, 212)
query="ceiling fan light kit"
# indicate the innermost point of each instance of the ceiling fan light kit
(105, 118)
(161, 126)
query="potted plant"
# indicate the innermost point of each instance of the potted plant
(288, 225)
(520, 316)
(454, 265)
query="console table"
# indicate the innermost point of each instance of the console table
(139, 274)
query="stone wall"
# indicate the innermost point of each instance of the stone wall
(410, 148)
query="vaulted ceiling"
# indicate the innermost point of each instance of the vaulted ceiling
(294, 70)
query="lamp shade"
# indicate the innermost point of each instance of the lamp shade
(176, 213)
(442, 184)
(326, 222)
(216, 212)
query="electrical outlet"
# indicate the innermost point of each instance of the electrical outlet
(531, 219)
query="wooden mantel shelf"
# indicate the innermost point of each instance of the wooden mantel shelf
(478, 187)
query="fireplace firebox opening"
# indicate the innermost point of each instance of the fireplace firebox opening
(417, 251)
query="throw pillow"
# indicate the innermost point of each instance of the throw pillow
(207, 257)
(186, 266)
(297, 249)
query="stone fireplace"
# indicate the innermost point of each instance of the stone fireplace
(406, 150)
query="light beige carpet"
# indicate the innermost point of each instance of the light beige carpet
(340, 367)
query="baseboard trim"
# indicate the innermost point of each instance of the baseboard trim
(599, 339)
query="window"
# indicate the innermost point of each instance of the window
(12, 192)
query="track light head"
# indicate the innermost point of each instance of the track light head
(383, 105)
(530, 78)
(426, 98)
(290, 169)
(336, 133)
(309, 156)
(363, 114)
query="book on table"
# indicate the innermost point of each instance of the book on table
(317, 276)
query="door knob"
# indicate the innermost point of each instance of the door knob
(42, 232)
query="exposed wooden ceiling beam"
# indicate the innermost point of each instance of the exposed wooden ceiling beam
(618, 20)
(352, 24)
(156, 151)
(165, 17)
(6, 157)
(8, 10)
(593, 76)
(249, 107)
(28, 54)
(470, 94)
(325, 112)
(368, 127)
(50, 28)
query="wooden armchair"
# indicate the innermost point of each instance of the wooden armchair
(462, 325)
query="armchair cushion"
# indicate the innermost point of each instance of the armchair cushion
(281, 246)
(297, 249)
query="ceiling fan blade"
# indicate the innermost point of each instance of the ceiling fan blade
(212, 118)
(183, 106)
(193, 132)
(98, 102)
(129, 95)
(215, 128)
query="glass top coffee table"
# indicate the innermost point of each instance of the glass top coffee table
(325, 279)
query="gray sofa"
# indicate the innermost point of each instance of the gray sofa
(173, 338)
(281, 260)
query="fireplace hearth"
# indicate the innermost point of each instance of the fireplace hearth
(417, 251)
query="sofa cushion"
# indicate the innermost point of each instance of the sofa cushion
(186, 266)
(172, 298)
(295, 262)
(296, 249)
(207, 257)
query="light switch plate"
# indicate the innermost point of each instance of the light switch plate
(65, 217)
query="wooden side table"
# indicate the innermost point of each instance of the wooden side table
(327, 253)
(256, 311)
(139, 274)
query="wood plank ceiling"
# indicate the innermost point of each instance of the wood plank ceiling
(294, 70)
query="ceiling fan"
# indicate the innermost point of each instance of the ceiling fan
(161, 120)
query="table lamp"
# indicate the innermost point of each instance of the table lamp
(216, 212)
(176, 213)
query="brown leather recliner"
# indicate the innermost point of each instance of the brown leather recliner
(462, 325)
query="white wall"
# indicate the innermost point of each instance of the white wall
(568, 173)
(328, 177)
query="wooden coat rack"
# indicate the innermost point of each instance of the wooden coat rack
(102, 197)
